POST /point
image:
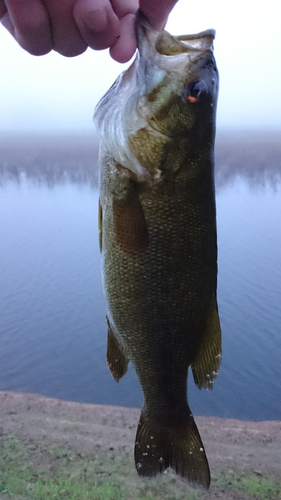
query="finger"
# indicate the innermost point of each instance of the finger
(97, 22)
(7, 23)
(124, 7)
(3, 8)
(28, 22)
(157, 11)
(124, 48)
(67, 39)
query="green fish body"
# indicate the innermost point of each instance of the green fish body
(157, 222)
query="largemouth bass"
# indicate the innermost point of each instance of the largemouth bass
(157, 222)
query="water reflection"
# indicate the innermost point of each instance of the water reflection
(49, 159)
(255, 157)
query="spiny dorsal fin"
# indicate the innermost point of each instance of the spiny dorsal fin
(178, 446)
(116, 359)
(206, 365)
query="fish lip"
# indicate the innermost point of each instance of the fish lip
(211, 33)
(201, 42)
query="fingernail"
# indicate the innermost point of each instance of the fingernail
(96, 20)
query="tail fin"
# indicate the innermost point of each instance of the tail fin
(179, 447)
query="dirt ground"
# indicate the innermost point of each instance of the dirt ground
(82, 428)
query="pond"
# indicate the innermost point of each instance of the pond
(52, 309)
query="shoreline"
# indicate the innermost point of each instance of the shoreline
(67, 438)
(33, 416)
(18, 397)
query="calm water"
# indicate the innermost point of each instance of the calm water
(52, 310)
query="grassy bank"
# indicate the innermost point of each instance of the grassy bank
(31, 471)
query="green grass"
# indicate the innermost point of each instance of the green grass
(18, 476)
(65, 488)
(252, 486)
(63, 475)
(259, 488)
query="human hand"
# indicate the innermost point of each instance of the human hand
(156, 11)
(70, 26)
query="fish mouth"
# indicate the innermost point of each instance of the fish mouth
(166, 44)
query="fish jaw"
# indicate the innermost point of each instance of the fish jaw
(166, 66)
(147, 103)
(162, 49)
(161, 53)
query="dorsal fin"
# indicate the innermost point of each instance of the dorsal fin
(117, 360)
(207, 362)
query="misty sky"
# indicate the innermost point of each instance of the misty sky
(51, 92)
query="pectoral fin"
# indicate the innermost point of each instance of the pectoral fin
(130, 226)
(206, 365)
(116, 358)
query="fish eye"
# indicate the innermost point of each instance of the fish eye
(194, 91)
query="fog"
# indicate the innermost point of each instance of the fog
(56, 159)
(54, 93)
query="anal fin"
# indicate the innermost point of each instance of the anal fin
(205, 366)
(117, 360)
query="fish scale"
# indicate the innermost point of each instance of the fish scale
(158, 239)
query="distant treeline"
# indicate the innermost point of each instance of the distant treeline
(50, 159)
(254, 156)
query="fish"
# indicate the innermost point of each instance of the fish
(158, 239)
